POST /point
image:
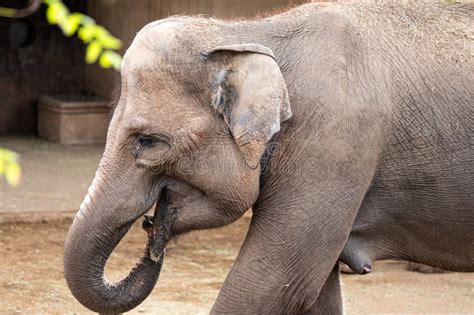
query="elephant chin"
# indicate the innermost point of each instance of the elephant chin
(89, 244)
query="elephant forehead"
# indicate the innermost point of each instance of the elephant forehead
(163, 113)
(155, 40)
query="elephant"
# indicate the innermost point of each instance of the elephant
(346, 129)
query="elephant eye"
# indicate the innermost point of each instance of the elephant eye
(145, 141)
(149, 150)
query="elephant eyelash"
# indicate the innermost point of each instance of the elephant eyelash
(142, 142)
(150, 150)
(145, 141)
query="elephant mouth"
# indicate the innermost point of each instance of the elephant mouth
(159, 226)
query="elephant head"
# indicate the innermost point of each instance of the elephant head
(188, 133)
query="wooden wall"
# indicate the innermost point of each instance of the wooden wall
(52, 64)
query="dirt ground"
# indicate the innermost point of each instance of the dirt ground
(55, 177)
(31, 276)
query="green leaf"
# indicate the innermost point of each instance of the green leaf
(101, 44)
(93, 51)
(70, 24)
(86, 33)
(9, 167)
(111, 58)
(104, 61)
(99, 31)
(7, 12)
(13, 174)
(110, 42)
(8, 155)
(56, 13)
(48, 2)
(86, 20)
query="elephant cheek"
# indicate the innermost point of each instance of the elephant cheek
(199, 215)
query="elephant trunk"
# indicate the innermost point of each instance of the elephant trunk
(94, 234)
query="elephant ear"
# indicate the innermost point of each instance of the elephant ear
(251, 95)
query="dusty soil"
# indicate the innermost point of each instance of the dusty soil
(55, 176)
(31, 276)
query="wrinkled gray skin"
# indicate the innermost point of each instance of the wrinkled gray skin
(365, 142)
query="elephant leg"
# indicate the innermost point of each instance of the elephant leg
(330, 298)
(302, 219)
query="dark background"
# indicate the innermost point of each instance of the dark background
(51, 64)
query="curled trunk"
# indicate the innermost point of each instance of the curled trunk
(88, 246)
